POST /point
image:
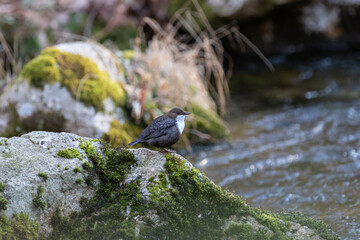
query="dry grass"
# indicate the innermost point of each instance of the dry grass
(176, 60)
(10, 61)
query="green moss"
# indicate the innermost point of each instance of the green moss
(319, 227)
(186, 203)
(245, 231)
(159, 190)
(69, 153)
(195, 208)
(3, 203)
(113, 196)
(37, 202)
(79, 181)
(22, 227)
(86, 166)
(58, 165)
(121, 134)
(43, 175)
(40, 70)
(2, 187)
(66, 168)
(77, 170)
(77, 73)
(208, 122)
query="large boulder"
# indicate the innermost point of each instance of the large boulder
(62, 186)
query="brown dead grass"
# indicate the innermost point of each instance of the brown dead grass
(10, 61)
(176, 60)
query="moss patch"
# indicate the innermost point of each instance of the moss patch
(37, 202)
(2, 187)
(3, 203)
(77, 73)
(208, 122)
(43, 175)
(121, 134)
(79, 181)
(106, 214)
(77, 170)
(69, 153)
(245, 231)
(87, 166)
(22, 227)
(42, 69)
(319, 227)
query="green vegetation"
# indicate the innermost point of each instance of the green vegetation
(42, 69)
(208, 122)
(43, 175)
(113, 196)
(79, 181)
(3, 203)
(2, 187)
(37, 202)
(196, 208)
(66, 168)
(87, 166)
(319, 227)
(22, 227)
(77, 170)
(69, 153)
(186, 202)
(78, 74)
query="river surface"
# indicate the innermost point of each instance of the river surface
(295, 145)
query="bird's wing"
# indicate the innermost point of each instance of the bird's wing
(157, 127)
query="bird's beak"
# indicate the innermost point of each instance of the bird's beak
(187, 113)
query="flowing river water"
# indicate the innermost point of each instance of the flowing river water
(295, 145)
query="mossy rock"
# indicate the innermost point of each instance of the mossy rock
(78, 74)
(208, 122)
(141, 194)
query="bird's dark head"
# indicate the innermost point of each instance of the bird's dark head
(173, 113)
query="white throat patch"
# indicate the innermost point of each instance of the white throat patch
(180, 123)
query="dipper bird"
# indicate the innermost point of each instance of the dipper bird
(163, 131)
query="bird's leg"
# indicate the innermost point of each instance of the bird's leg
(169, 150)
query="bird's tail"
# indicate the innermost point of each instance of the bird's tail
(134, 142)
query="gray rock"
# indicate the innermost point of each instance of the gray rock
(64, 112)
(23, 158)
